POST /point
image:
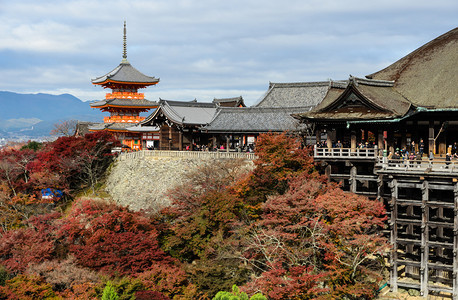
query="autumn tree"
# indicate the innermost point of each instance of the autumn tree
(75, 162)
(111, 239)
(316, 241)
(280, 158)
(64, 128)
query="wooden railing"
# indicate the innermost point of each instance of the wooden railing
(124, 95)
(187, 154)
(359, 153)
(123, 119)
(422, 165)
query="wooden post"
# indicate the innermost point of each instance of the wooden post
(180, 140)
(431, 137)
(170, 137)
(327, 172)
(424, 239)
(227, 143)
(380, 143)
(353, 183)
(455, 243)
(353, 141)
(318, 136)
(328, 138)
(394, 237)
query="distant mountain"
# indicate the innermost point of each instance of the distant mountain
(33, 115)
(45, 107)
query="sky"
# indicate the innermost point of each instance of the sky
(205, 49)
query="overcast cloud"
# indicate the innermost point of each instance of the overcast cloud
(207, 48)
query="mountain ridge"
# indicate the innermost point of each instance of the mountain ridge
(33, 115)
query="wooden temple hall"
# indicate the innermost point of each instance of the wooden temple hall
(361, 125)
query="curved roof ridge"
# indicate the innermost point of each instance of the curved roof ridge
(299, 84)
(192, 103)
(373, 82)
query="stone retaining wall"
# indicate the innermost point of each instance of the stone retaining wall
(143, 182)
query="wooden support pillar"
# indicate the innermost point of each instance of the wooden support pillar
(380, 143)
(180, 140)
(353, 141)
(455, 243)
(327, 172)
(353, 182)
(415, 136)
(442, 143)
(393, 237)
(228, 143)
(380, 189)
(431, 137)
(424, 239)
(170, 138)
(329, 138)
(318, 136)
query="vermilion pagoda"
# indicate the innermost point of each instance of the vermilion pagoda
(124, 103)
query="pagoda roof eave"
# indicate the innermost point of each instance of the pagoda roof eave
(125, 106)
(139, 84)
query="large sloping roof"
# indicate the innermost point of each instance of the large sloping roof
(253, 119)
(297, 94)
(361, 99)
(428, 76)
(125, 73)
(184, 112)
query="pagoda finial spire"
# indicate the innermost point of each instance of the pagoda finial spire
(124, 52)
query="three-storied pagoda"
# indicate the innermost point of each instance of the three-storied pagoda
(124, 103)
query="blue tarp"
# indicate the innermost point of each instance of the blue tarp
(49, 193)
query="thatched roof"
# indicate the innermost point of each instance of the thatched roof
(428, 76)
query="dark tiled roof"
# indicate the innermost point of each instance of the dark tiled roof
(428, 76)
(110, 126)
(229, 102)
(125, 102)
(82, 127)
(298, 94)
(125, 73)
(380, 101)
(184, 112)
(253, 119)
(139, 128)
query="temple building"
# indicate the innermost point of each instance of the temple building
(178, 123)
(125, 103)
(409, 108)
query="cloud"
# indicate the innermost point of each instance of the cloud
(228, 48)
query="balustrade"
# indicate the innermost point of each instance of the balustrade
(360, 153)
(421, 165)
(124, 95)
(187, 154)
(123, 119)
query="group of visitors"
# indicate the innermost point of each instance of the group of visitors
(345, 144)
(195, 147)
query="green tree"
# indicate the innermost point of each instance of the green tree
(109, 293)
(237, 295)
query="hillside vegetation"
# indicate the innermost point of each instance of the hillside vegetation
(280, 230)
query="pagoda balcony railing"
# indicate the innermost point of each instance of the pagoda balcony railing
(424, 165)
(124, 95)
(123, 119)
(345, 153)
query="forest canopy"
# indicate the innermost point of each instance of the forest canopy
(280, 231)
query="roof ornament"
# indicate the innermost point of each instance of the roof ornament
(124, 52)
